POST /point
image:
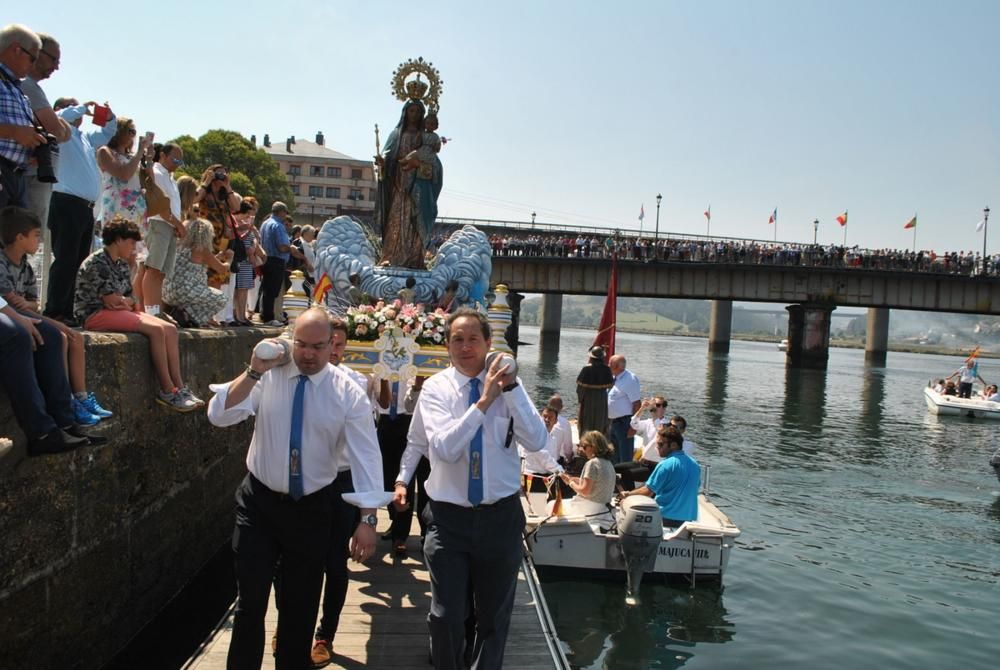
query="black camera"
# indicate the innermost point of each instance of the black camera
(220, 175)
(44, 155)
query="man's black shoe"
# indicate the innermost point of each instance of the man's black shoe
(92, 440)
(54, 442)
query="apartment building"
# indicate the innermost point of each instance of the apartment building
(326, 183)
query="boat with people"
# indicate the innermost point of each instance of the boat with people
(952, 405)
(628, 539)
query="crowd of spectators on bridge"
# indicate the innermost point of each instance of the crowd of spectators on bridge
(747, 252)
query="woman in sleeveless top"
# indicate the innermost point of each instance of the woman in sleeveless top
(121, 193)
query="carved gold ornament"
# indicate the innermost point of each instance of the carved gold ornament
(408, 85)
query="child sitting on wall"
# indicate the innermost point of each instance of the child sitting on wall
(20, 231)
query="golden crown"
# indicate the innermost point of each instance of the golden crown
(408, 85)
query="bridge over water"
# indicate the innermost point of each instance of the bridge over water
(811, 293)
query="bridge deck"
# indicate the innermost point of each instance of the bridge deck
(384, 622)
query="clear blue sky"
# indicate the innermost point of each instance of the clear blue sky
(584, 111)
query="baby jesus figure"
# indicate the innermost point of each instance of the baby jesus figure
(423, 158)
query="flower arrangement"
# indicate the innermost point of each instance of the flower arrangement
(367, 323)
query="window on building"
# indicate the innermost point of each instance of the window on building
(295, 170)
(333, 172)
(315, 170)
(355, 173)
(333, 192)
(356, 194)
(295, 188)
(316, 191)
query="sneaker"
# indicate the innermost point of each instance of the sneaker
(81, 415)
(320, 654)
(94, 407)
(186, 393)
(175, 401)
(275, 323)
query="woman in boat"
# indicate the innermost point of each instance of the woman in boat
(596, 484)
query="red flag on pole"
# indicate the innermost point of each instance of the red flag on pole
(606, 331)
(842, 219)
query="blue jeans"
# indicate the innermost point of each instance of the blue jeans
(618, 434)
(35, 382)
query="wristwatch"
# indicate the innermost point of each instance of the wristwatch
(370, 519)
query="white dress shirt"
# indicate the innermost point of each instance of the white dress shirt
(646, 428)
(365, 384)
(451, 423)
(543, 461)
(622, 395)
(564, 439)
(416, 447)
(337, 418)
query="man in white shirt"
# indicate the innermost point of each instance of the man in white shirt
(307, 414)
(164, 229)
(564, 432)
(472, 415)
(543, 462)
(623, 401)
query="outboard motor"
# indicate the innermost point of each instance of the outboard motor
(640, 531)
(995, 463)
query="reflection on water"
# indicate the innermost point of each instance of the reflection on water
(871, 520)
(662, 631)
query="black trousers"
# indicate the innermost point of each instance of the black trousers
(634, 471)
(392, 442)
(272, 526)
(271, 280)
(477, 545)
(345, 519)
(35, 381)
(71, 221)
(13, 186)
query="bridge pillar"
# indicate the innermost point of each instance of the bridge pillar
(551, 319)
(720, 326)
(877, 337)
(808, 336)
(514, 329)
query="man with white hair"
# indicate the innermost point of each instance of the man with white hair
(19, 49)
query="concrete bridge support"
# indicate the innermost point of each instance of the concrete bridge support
(551, 319)
(808, 335)
(720, 326)
(877, 337)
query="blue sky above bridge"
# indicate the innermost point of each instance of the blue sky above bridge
(584, 111)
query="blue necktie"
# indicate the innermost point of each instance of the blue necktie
(295, 441)
(475, 452)
(394, 399)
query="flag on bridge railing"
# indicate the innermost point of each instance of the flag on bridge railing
(842, 219)
(708, 213)
(980, 225)
(774, 217)
(642, 212)
(912, 223)
(606, 329)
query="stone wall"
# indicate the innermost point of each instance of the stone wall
(94, 543)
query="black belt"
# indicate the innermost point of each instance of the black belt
(11, 165)
(498, 503)
(89, 203)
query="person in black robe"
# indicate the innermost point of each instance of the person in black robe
(592, 386)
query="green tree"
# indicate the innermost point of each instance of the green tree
(251, 170)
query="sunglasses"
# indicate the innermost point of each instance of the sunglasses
(130, 131)
(32, 57)
(177, 161)
(660, 404)
(55, 61)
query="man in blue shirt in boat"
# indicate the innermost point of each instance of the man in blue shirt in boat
(675, 479)
(967, 375)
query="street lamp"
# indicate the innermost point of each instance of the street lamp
(986, 221)
(532, 219)
(658, 199)
(815, 229)
(312, 210)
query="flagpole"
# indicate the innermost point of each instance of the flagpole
(914, 234)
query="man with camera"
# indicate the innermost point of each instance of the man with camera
(42, 174)
(19, 49)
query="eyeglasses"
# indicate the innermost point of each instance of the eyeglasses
(54, 59)
(31, 56)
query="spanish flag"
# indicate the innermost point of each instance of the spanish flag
(842, 219)
(322, 287)
(912, 223)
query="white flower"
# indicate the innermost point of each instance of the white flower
(437, 337)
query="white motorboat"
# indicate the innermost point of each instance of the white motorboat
(629, 540)
(952, 405)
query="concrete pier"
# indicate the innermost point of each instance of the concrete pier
(877, 336)
(809, 335)
(720, 326)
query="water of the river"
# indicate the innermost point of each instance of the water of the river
(871, 528)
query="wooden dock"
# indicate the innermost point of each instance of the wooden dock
(384, 622)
